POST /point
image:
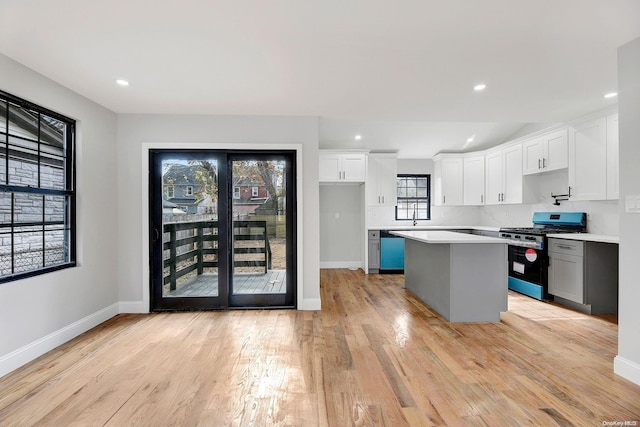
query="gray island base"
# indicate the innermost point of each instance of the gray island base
(461, 276)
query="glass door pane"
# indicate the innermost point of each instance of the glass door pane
(261, 236)
(191, 272)
(190, 228)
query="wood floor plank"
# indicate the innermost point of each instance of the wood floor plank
(374, 356)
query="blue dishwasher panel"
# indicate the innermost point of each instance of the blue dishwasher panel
(391, 253)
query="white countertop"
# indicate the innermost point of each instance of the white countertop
(586, 237)
(434, 227)
(441, 236)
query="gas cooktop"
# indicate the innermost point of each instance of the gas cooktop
(553, 222)
(540, 230)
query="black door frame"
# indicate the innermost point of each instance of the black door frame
(225, 192)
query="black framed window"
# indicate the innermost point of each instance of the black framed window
(414, 198)
(37, 189)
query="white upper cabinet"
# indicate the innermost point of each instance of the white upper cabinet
(340, 166)
(448, 172)
(504, 175)
(473, 174)
(613, 158)
(588, 160)
(545, 153)
(381, 181)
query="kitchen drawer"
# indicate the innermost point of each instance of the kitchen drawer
(568, 247)
(374, 234)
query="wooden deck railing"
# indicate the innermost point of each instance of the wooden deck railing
(187, 242)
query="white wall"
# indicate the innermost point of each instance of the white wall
(627, 363)
(341, 225)
(183, 131)
(40, 313)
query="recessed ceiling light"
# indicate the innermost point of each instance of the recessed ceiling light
(358, 137)
(611, 95)
(122, 82)
(471, 138)
(480, 87)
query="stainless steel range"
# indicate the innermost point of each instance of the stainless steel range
(527, 253)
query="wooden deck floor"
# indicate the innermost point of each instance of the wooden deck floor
(374, 356)
(271, 282)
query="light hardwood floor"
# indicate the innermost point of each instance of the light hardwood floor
(374, 356)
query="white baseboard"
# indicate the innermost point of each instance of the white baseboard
(309, 304)
(341, 264)
(133, 307)
(627, 369)
(31, 351)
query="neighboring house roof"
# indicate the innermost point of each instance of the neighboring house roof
(181, 175)
(168, 204)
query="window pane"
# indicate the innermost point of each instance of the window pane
(422, 182)
(5, 251)
(27, 208)
(3, 118)
(52, 132)
(23, 170)
(27, 249)
(5, 209)
(23, 123)
(54, 209)
(52, 176)
(55, 243)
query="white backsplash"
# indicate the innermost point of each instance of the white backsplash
(603, 217)
(384, 217)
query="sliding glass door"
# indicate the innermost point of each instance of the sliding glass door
(222, 229)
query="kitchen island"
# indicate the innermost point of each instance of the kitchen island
(461, 276)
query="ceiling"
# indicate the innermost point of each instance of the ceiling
(400, 73)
